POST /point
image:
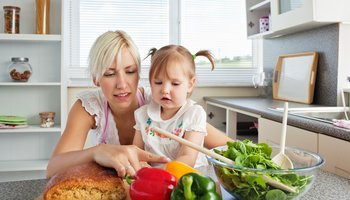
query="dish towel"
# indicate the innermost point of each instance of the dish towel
(342, 123)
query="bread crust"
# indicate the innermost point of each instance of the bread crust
(88, 181)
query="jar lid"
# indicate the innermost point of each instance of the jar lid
(47, 114)
(12, 7)
(19, 59)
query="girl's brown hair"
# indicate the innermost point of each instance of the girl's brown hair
(170, 53)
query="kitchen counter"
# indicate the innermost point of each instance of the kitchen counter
(326, 187)
(259, 106)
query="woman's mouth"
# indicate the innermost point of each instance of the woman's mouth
(122, 96)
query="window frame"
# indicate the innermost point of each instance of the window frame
(79, 77)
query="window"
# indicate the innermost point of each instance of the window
(196, 24)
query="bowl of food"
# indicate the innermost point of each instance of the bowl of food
(255, 176)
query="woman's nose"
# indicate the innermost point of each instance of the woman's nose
(121, 81)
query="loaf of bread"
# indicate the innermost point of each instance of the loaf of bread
(88, 181)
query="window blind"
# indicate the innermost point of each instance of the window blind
(196, 24)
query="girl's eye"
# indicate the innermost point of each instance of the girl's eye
(176, 83)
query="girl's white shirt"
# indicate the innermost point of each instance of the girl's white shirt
(190, 118)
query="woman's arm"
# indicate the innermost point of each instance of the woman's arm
(187, 154)
(215, 137)
(69, 149)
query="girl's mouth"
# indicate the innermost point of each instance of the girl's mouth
(165, 99)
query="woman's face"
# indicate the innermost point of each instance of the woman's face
(119, 83)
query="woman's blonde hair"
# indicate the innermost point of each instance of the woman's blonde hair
(170, 53)
(107, 48)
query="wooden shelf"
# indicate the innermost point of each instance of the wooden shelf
(33, 129)
(30, 83)
(30, 37)
(22, 165)
(260, 6)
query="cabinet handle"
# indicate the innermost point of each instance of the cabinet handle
(276, 76)
(210, 115)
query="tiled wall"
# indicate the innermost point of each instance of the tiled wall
(323, 40)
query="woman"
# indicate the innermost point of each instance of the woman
(108, 112)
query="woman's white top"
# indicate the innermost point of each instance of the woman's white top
(96, 105)
(190, 118)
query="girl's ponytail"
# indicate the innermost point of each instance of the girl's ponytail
(151, 52)
(206, 54)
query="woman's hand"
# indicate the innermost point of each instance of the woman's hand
(125, 159)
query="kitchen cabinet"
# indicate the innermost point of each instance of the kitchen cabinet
(290, 16)
(255, 10)
(335, 152)
(225, 118)
(25, 151)
(270, 132)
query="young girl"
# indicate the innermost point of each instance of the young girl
(107, 112)
(172, 79)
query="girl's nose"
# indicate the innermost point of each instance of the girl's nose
(166, 88)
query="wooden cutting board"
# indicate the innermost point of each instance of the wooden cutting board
(295, 76)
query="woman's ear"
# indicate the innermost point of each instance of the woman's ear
(95, 82)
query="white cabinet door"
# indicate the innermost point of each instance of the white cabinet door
(336, 154)
(306, 14)
(270, 132)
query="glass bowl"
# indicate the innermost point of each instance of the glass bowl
(251, 183)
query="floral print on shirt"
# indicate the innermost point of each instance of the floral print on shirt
(177, 131)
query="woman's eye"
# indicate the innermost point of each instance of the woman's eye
(130, 72)
(108, 74)
(158, 82)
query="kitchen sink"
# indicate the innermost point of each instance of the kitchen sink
(322, 114)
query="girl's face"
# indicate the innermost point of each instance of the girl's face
(119, 83)
(171, 87)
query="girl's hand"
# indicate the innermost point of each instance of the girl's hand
(125, 159)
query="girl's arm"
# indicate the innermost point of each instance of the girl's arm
(186, 154)
(215, 138)
(138, 140)
(140, 144)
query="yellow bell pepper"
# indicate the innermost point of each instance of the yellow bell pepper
(178, 169)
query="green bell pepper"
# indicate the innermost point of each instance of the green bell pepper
(193, 186)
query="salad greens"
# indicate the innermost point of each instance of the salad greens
(249, 184)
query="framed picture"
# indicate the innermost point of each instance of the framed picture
(295, 76)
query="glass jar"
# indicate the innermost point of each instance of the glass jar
(47, 119)
(20, 69)
(11, 19)
(42, 16)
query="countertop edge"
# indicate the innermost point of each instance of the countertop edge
(259, 106)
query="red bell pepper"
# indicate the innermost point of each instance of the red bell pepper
(152, 184)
